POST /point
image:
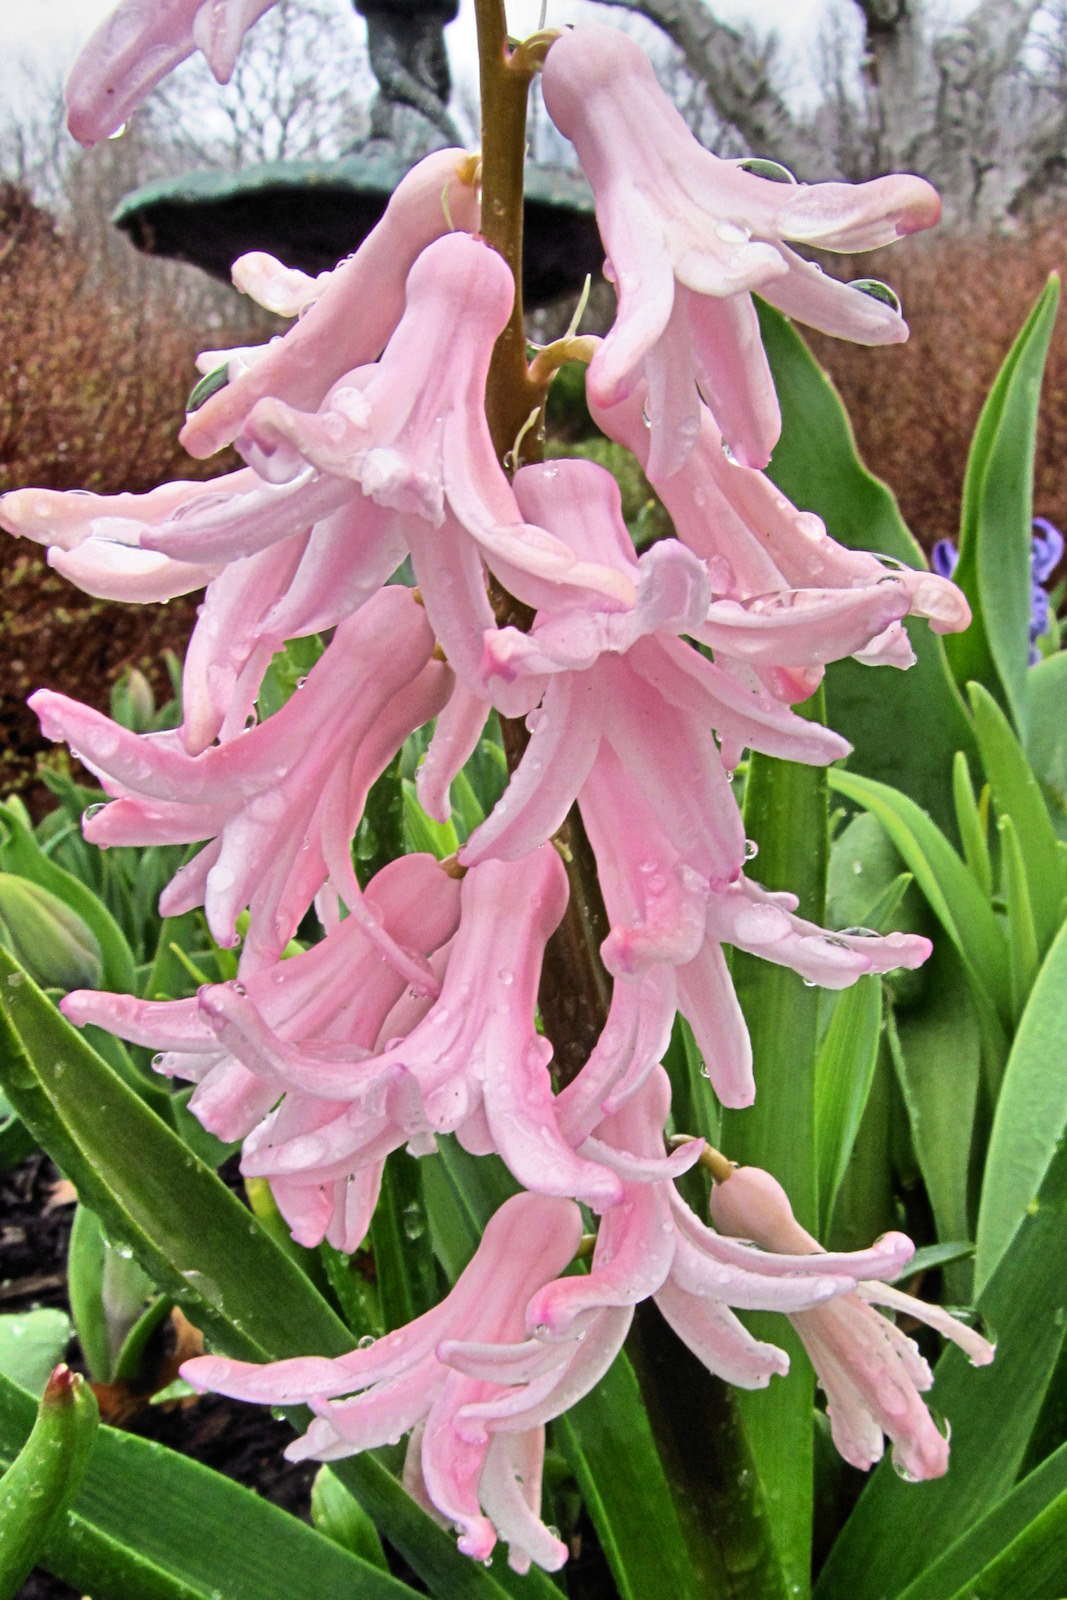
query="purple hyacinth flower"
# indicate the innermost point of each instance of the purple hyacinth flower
(1046, 552)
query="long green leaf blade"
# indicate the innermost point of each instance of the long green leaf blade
(42, 1480)
(1016, 795)
(816, 464)
(954, 897)
(995, 1533)
(786, 816)
(1031, 1114)
(149, 1524)
(994, 564)
(897, 1528)
(844, 1069)
(192, 1236)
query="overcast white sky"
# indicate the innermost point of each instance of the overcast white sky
(49, 32)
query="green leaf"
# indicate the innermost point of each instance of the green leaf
(422, 833)
(786, 816)
(954, 897)
(1017, 796)
(339, 1515)
(380, 835)
(288, 668)
(149, 1524)
(972, 829)
(611, 1451)
(996, 1533)
(1022, 935)
(932, 1256)
(85, 1268)
(995, 525)
(20, 853)
(606, 1436)
(897, 1528)
(1031, 1113)
(426, 1547)
(844, 1070)
(1035, 1563)
(816, 464)
(198, 1242)
(192, 1236)
(937, 1054)
(31, 1344)
(43, 1479)
(1046, 739)
(403, 1248)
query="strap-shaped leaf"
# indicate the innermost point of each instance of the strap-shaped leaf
(996, 1535)
(1016, 795)
(149, 1524)
(1046, 739)
(898, 1529)
(954, 897)
(199, 1243)
(786, 817)
(816, 464)
(844, 1069)
(41, 1481)
(936, 1050)
(192, 1236)
(995, 526)
(1031, 1113)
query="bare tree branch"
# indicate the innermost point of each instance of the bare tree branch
(738, 84)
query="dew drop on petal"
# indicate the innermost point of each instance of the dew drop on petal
(878, 291)
(761, 167)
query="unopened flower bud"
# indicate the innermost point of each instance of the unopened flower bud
(54, 944)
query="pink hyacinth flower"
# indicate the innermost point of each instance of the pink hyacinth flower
(335, 998)
(138, 44)
(349, 313)
(757, 545)
(624, 727)
(411, 432)
(872, 1374)
(281, 802)
(653, 1245)
(468, 1373)
(688, 236)
(93, 539)
(471, 1063)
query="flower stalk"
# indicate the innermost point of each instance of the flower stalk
(575, 991)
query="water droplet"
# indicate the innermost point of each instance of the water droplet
(300, 682)
(251, 719)
(761, 167)
(861, 933)
(751, 849)
(878, 291)
(94, 811)
(157, 1061)
(809, 983)
(119, 131)
(728, 453)
(201, 392)
(506, 976)
(367, 1340)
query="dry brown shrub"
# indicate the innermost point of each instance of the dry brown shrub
(914, 407)
(92, 394)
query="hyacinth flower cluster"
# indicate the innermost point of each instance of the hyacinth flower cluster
(641, 680)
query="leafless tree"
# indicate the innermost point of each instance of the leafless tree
(979, 107)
